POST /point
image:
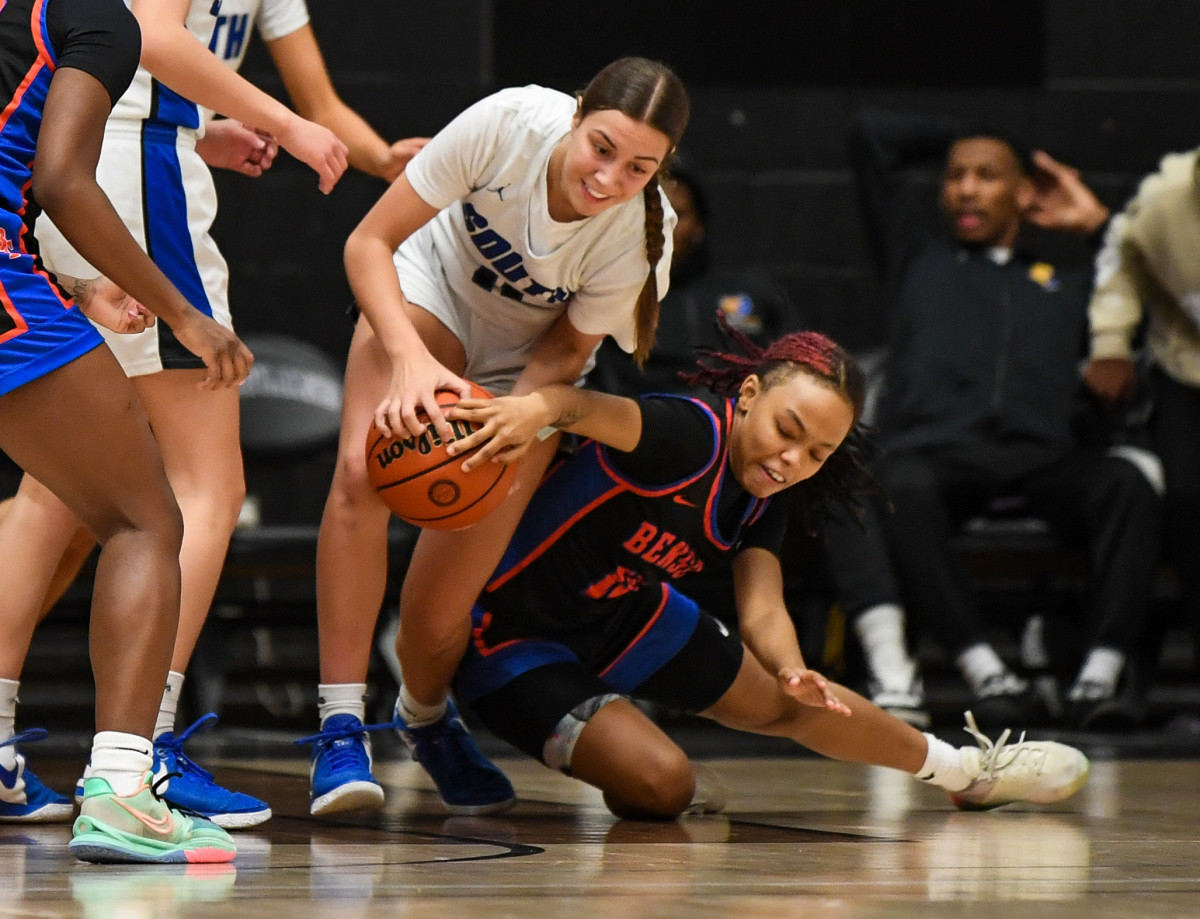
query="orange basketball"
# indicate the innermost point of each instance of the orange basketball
(423, 485)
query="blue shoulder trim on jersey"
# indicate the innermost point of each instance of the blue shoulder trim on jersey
(753, 509)
(43, 40)
(640, 488)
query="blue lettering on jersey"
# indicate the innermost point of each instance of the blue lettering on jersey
(505, 263)
(235, 28)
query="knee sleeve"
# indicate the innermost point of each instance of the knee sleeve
(561, 744)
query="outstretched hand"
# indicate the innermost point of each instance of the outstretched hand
(506, 426)
(810, 688)
(1061, 199)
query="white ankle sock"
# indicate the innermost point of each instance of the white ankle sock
(341, 699)
(169, 704)
(417, 714)
(122, 759)
(881, 631)
(943, 766)
(1102, 667)
(978, 664)
(8, 721)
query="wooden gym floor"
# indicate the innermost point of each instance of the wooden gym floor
(802, 837)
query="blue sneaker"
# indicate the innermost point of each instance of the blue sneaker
(468, 782)
(340, 775)
(193, 790)
(23, 797)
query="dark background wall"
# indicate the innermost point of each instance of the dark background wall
(1107, 85)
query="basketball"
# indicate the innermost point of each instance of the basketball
(424, 485)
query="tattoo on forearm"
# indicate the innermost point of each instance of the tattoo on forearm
(79, 289)
(568, 418)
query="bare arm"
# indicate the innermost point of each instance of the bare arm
(559, 357)
(416, 375)
(612, 420)
(768, 632)
(178, 59)
(298, 58)
(64, 183)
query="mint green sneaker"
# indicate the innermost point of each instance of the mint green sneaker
(142, 828)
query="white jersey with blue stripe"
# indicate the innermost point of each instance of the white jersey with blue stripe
(224, 26)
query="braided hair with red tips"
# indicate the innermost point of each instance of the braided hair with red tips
(844, 476)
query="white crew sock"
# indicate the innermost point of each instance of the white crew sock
(944, 767)
(1102, 668)
(416, 714)
(881, 631)
(122, 759)
(978, 664)
(169, 705)
(341, 699)
(8, 721)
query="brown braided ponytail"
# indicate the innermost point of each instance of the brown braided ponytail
(645, 314)
(650, 92)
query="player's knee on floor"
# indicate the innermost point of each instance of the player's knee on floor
(660, 787)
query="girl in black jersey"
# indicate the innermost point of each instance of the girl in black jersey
(583, 612)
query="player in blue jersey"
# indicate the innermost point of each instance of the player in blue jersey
(70, 416)
(583, 610)
(160, 143)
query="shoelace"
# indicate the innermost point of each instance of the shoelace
(990, 760)
(175, 747)
(30, 735)
(158, 795)
(344, 756)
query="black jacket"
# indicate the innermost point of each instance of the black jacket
(978, 350)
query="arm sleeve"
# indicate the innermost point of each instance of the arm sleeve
(99, 37)
(677, 441)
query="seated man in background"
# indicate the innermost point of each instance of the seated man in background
(981, 385)
(1148, 275)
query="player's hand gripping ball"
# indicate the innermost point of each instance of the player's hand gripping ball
(423, 485)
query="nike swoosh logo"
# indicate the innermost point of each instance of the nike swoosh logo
(680, 499)
(163, 824)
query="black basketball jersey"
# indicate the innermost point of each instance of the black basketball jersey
(606, 531)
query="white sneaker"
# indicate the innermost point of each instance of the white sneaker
(1037, 771)
(711, 794)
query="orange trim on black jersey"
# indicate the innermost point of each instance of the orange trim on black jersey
(550, 540)
(39, 37)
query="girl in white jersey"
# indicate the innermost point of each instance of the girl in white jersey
(159, 143)
(529, 228)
